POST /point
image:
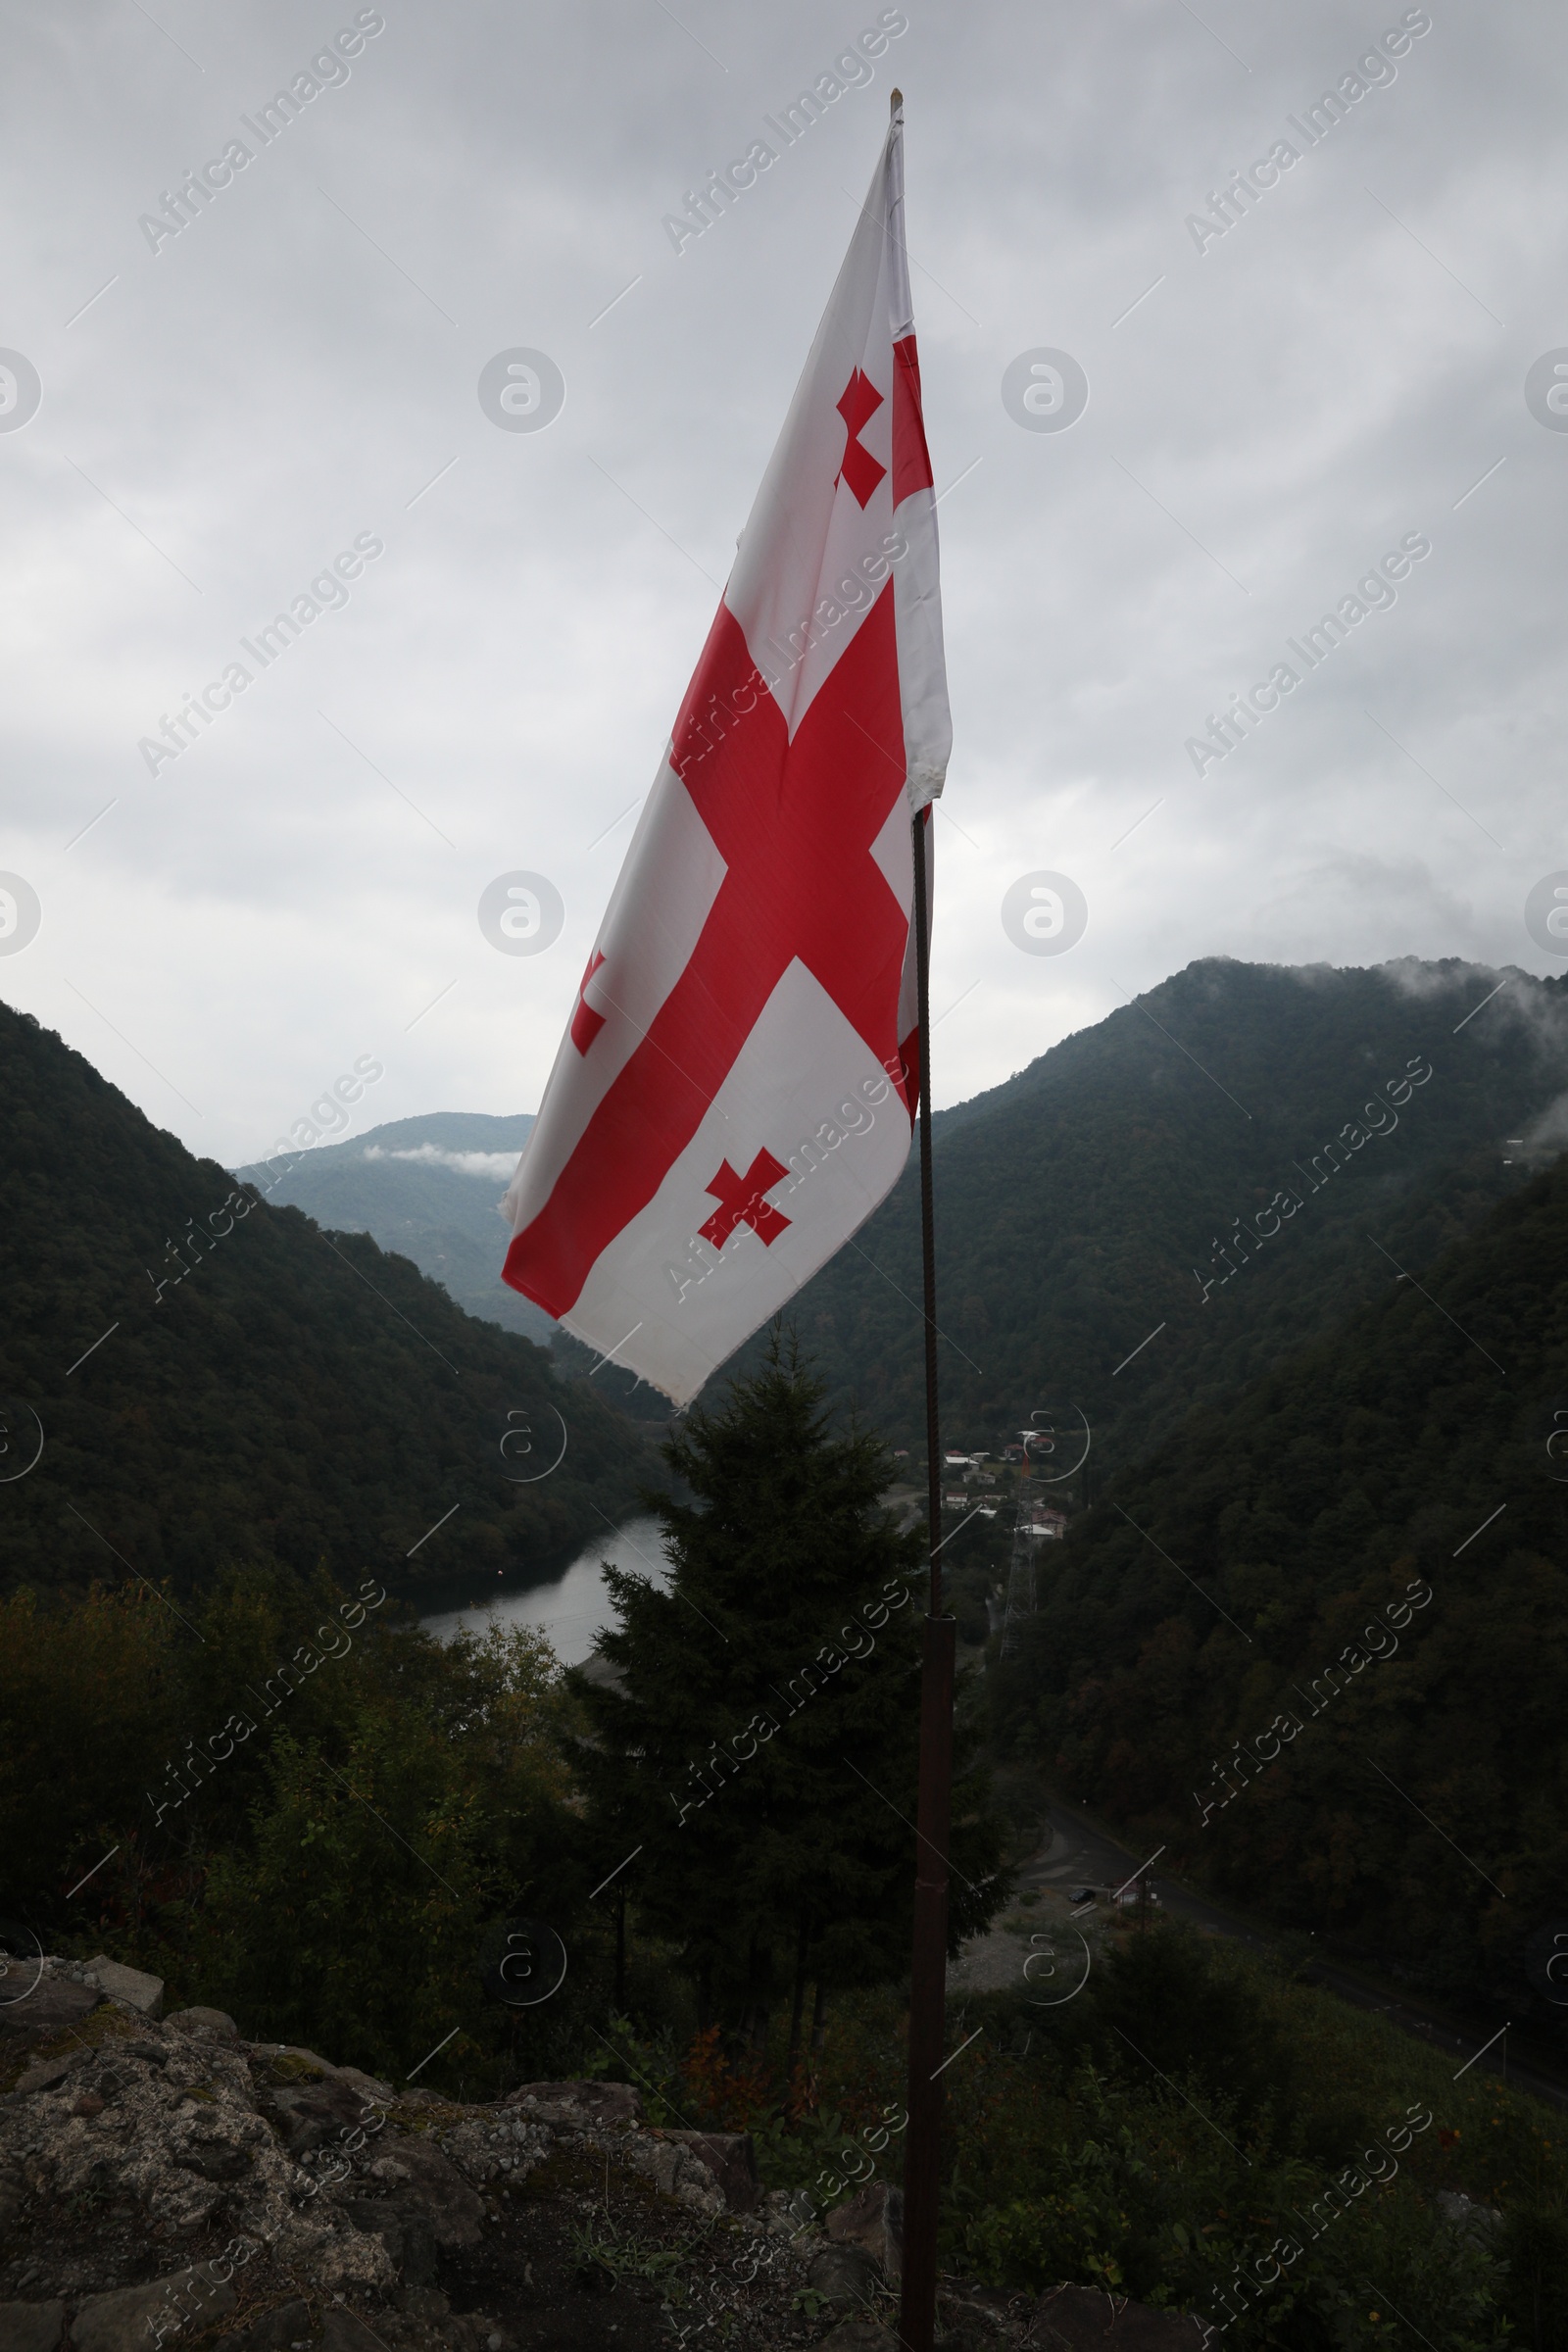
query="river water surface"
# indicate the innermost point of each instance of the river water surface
(571, 1608)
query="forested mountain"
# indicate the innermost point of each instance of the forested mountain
(1114, 1192)
(1088, 1200)
(212, 1376)
(1357, 1572)
(427, 1187)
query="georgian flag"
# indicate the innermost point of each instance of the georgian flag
(738, 1081)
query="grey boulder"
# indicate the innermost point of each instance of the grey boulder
(873, 2221)
(579, 2104)
(843, 2275)
(731, 2158)
(404, 2229)
(370, 2084)
(32, 2327)
(212, 2158)
(203, 2020)
(130, 2319)
(133, 1988)
(316, 2114)
(50, 2005)
(47, 2073)
(1464, 2213)
(423, 2182)
(286, 2062)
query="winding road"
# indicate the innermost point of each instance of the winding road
(1078, 1853)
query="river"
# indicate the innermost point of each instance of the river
(570, 1608)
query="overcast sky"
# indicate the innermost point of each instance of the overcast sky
(1271, 410)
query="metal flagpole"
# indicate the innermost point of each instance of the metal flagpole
(928, 1976)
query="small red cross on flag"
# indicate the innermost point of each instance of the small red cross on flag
(860, 403)
(741, 1202)
(749, 1004)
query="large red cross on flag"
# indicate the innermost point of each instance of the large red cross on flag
(735, 1089)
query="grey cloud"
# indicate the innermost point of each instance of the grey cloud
(298, 364)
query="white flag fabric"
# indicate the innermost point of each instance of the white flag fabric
(737, 1085)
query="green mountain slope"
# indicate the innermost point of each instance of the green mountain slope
(1357, 1572)
(1083, 1206)
(427, 1187)
(215, 1377)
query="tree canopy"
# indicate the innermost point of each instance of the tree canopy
(1316, 1643)
(756, 1723)
(215, 1378)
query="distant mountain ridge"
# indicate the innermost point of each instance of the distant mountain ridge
(427, 1187)
(1149, 1214)
(452, 1131)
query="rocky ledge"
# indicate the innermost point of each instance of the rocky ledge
(164, 2182)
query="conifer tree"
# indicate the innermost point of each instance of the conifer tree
(756, 1737)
